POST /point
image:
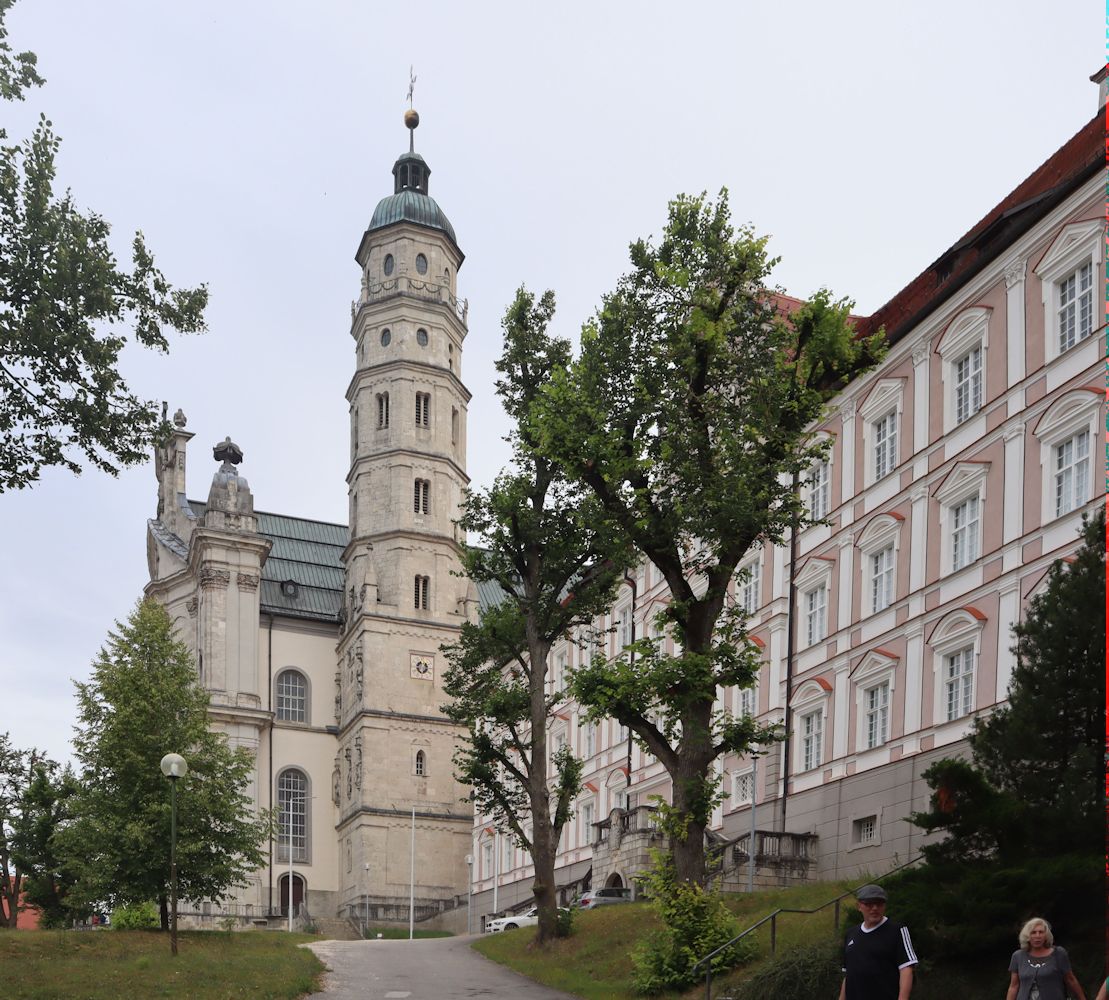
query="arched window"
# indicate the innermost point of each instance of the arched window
(293, 828)
(421, 591)
(292, 696)
(420, 767)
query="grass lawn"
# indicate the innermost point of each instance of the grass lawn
(110, 964)
(394, 933)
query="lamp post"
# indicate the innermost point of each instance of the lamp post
(470, 894)
(173, 766)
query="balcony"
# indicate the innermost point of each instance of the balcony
(405, 286)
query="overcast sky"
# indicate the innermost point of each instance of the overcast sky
(250, 142)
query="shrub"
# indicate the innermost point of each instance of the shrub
(139, 916)
(565, 924)
(801, 974)
(696, 922)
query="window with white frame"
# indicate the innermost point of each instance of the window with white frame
(1071, 472)
(955, 642)
(815, 604)
(748, 701)
(487, 859)
(820, 490)
(588, 740)
(1067, 432)
(962, 350)
(873, 679)
(864, 831)
(292, 696)
(878, 544)
(962, 497)
(560, 673)
(812, 739)
(292, 815)
(1067, 273)
(587, 823)
(884, 431)
(625, 627)
(877, 717)
(749, 579)
(743, 788)
(958, 683)
(507, 848)
(881, 579)
(881, 416)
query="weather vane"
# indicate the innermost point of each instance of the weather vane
(411, 85)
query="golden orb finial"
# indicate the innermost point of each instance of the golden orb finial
(411, 118)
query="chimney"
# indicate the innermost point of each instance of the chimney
(1101, 78)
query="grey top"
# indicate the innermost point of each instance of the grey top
(1046, 972)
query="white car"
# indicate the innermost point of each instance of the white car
(529, 919)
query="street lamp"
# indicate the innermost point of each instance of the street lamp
(174, 766)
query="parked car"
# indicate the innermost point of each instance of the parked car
(604, 897)
(510, 923)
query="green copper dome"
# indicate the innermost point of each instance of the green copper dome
(410, 201)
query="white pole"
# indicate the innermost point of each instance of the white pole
(496, 868)
(290, 871)
(751, 845)
(412, 883)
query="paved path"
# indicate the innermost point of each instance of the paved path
(427, 969)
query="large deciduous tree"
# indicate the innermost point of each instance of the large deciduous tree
(688, 416)
(65, 304)
(545, 545)
(142, 702)
(17, 769)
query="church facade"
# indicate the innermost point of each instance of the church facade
(320, 643)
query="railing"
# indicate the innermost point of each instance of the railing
(641, 819)
(402, 284)
(772, 919)
(773, 844)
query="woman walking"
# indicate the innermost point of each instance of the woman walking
(1040, 969)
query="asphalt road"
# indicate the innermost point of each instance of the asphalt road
(428, 969)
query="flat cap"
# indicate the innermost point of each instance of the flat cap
(870, 892)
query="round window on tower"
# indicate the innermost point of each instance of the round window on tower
(386, 336)
(421, 337)
(421, 263)
(388, 265)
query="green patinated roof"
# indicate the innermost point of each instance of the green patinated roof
(411, 206)
(306, 552)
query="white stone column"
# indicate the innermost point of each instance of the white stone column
(918, 546)
(1015, 332)
(922, 354)
(841, 711)
(1013, 517)
(914, 682)
(847, 451)
(775, 664)
(1008, 613)
(846, 543)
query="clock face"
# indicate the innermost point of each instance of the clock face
(423, 667)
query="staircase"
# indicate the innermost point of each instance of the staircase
(335, 929)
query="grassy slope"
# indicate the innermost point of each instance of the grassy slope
(595, 961)
(107, 965)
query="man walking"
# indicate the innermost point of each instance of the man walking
(878, 956)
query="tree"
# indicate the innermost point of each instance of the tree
(546, 546)
(1036, 766)
(63, 303)
(47, 808)
(142, 702)
(16, 771)
(688, 417)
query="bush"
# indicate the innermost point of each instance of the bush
(564, 927)
(138, 917)
(801, 974)
(696, 922)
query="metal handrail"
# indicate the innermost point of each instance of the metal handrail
(773, 919)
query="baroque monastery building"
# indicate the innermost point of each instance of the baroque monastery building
(959, 473)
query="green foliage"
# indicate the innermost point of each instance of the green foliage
(564, 926)
(64, 305)
(137, 917)
(933, 901)
(695, 923)
(1036, 777)
(799, 974)
(545, 545)
(142, 702)
(686, 416)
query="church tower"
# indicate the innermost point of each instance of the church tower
(403, 599)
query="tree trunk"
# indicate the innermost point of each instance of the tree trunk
(163, 911)
(688, 851)
(543, 886)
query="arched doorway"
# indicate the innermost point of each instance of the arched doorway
(614, 881)
(298, 894)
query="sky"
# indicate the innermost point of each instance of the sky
(250, 142)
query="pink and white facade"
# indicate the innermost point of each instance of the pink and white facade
(959, 472)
